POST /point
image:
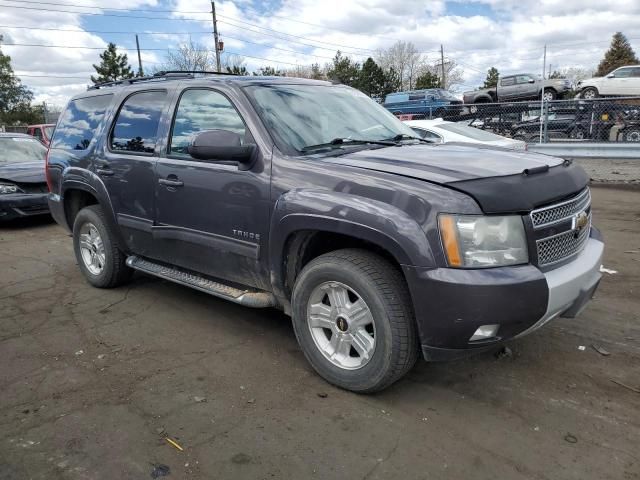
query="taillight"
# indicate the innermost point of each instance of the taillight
(46, 170)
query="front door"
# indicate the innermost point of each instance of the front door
(211, 217)
(127, 167)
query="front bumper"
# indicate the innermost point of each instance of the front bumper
(19, 205)
(450, 304)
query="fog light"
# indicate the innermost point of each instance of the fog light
(484, 331)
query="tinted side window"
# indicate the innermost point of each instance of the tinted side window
(416, 96)
(37, 133)
(201, 110)
(77, 125)
(136, 126)
(635, 72)
(507, 81)
(523, 78)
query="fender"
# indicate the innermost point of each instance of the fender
(86, 180)
(379, 223)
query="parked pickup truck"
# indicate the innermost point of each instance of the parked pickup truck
(428, 103)
(523, 86)
(312, 198)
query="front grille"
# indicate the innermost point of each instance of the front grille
(558, 247)
(558, 221)
(561, 211)
(33, 187)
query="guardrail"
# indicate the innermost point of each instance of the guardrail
(629, 151)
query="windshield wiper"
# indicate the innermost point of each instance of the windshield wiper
(337, 142)
(404, 136)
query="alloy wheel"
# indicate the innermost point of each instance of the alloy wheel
(92, 249)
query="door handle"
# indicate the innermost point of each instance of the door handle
(171, 182)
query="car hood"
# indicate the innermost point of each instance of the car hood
(445, 163)
(500, 180)
(28, 172)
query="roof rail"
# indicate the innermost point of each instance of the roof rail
(159, 76)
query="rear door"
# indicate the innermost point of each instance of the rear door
(507, 88)
(212, 217)
(634, 82)
(127, 166)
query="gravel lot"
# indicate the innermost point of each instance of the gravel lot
(93, 381)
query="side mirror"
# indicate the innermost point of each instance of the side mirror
(531, 80)
(611, 75)
(222, 145)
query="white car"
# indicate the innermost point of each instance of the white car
(441, 131)
(623, 81)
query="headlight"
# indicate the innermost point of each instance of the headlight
(476, 241)
(8, 189)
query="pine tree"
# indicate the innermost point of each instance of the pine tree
(370, 78)
(344, 70)
(492, 78)
(113, 66)
(619, 54)
(427, 80)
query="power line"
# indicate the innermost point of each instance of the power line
(98, 7)
(106, 32)
(40, 45)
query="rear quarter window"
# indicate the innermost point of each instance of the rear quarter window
(77, 126)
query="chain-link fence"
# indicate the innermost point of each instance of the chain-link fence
(577, 120)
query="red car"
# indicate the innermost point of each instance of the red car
(42, 132)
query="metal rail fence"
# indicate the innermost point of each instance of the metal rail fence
(576, 120)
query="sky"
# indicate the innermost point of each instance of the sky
(476, 34)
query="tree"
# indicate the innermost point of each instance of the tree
(190, 56)
(269, 71)
(492, 78)
(15, 98)
(344, 70)
(392, 82)
(237, 70)
(619, 54)
(371, 78)
(113, 66)
(427, 80)
(405, 60)
(557, 74)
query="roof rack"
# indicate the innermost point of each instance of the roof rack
(159, 76)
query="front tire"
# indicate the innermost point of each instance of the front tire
(590, 93)
(353, 319)
(97, 252)
(549, 95)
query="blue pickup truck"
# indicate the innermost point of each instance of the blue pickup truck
(432, 103)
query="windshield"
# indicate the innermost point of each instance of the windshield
(21, 150)
(48, 131)
(301, 116)
(471, 132)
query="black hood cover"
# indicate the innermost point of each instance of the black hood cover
(494, 177)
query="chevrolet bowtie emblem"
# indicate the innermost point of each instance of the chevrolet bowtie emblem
(580, 221)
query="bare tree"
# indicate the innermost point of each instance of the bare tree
(233, 62)
(452, 72)
(405, 59)
(190, 56)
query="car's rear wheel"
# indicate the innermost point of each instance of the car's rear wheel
(353, 319)
(96, 249)
(590, 93)
(577, 134)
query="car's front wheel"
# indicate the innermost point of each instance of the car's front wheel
(353, 318)
(590, 93)
(631, 134)
(97, 252)
(549, 95)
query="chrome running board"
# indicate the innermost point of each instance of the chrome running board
(249, 298)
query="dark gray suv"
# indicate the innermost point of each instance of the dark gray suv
(310, 197)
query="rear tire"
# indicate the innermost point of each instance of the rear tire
(353, 318)
(97, 252)
(631, 134)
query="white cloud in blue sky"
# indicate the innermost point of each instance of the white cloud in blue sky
(478, 34)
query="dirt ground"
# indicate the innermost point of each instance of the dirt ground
(92, 381)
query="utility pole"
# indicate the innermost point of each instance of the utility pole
(444, 82)
(140, 71)
(215, 34)
(544, 67)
